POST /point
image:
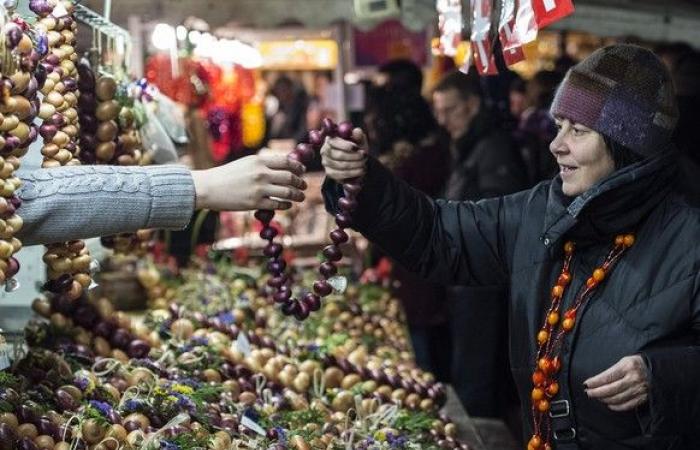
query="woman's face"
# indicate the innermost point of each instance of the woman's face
(582, 155)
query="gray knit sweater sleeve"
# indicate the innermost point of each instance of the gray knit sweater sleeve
(88, 201)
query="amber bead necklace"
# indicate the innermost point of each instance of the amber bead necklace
(551, 334)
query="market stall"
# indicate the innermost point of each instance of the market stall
(213, 362)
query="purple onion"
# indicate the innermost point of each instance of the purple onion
(26, 444)
(282, 296)
(12, 267)
(48, 427)
(264, 215)
(57, 119)
(138, 349)
(104, 329)
(13, 34)
(329, 128)
(276, 266)
(322, 288)
(40, 7)
(88, 142)
(303, 312)
(328, 269)
(132, 425)
(277, 282)
(313, 301)
(52, 60)
(70, 84)
(268, 233)
(48, 131)
(65, 401)
(345, 130)
(339, 236)
(121, 338)
(114, 417)
(27, 414)
(15, 201)
(332, 252)
(343, 220)
(291, 307)
(306, 152)
(316, 138)
(11, 143)
(272, 249)
(347, 204)
(87, 102)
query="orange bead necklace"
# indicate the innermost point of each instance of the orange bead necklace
(551, 334)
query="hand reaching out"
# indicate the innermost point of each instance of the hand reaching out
(253, 182)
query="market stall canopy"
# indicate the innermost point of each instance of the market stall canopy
(654, 20)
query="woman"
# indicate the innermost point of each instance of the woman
(79, 202)
(602, 261)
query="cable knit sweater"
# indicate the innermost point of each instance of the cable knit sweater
(88, 201)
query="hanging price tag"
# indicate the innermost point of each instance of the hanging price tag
(338, 283)
(549, 11)
(481, 45)
(251, 425)
(525, 29)
(512, 51)
(243, 344)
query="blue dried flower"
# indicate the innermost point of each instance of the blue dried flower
(226, 317)
(133, 405)
(167, 445)
(103, 407)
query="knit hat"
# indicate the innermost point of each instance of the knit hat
(624, 92)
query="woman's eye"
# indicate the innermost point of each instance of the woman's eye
(578, 131)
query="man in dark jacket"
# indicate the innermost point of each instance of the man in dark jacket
(485, 164)
(608, 229)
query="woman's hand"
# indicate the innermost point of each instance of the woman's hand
(345, 159)
(622, 387)
(253, 182)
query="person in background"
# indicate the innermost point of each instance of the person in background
(484, 163)
(289, 120)
(516, 99)
(406, 139)
(536, 128)
(400, 75)
(686, 78)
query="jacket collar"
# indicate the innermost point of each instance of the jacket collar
(482, 124)
(616, 204)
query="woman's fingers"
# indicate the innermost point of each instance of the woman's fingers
(344, 175)
(268, 203)
(281, 162)
(284, 178)
(283, 193)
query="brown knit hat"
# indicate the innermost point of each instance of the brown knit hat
(624, 92)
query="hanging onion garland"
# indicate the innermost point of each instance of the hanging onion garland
(19, 105)
(281, 282)
(69, 263)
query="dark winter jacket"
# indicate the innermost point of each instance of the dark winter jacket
(649, 304)
(485, 163)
